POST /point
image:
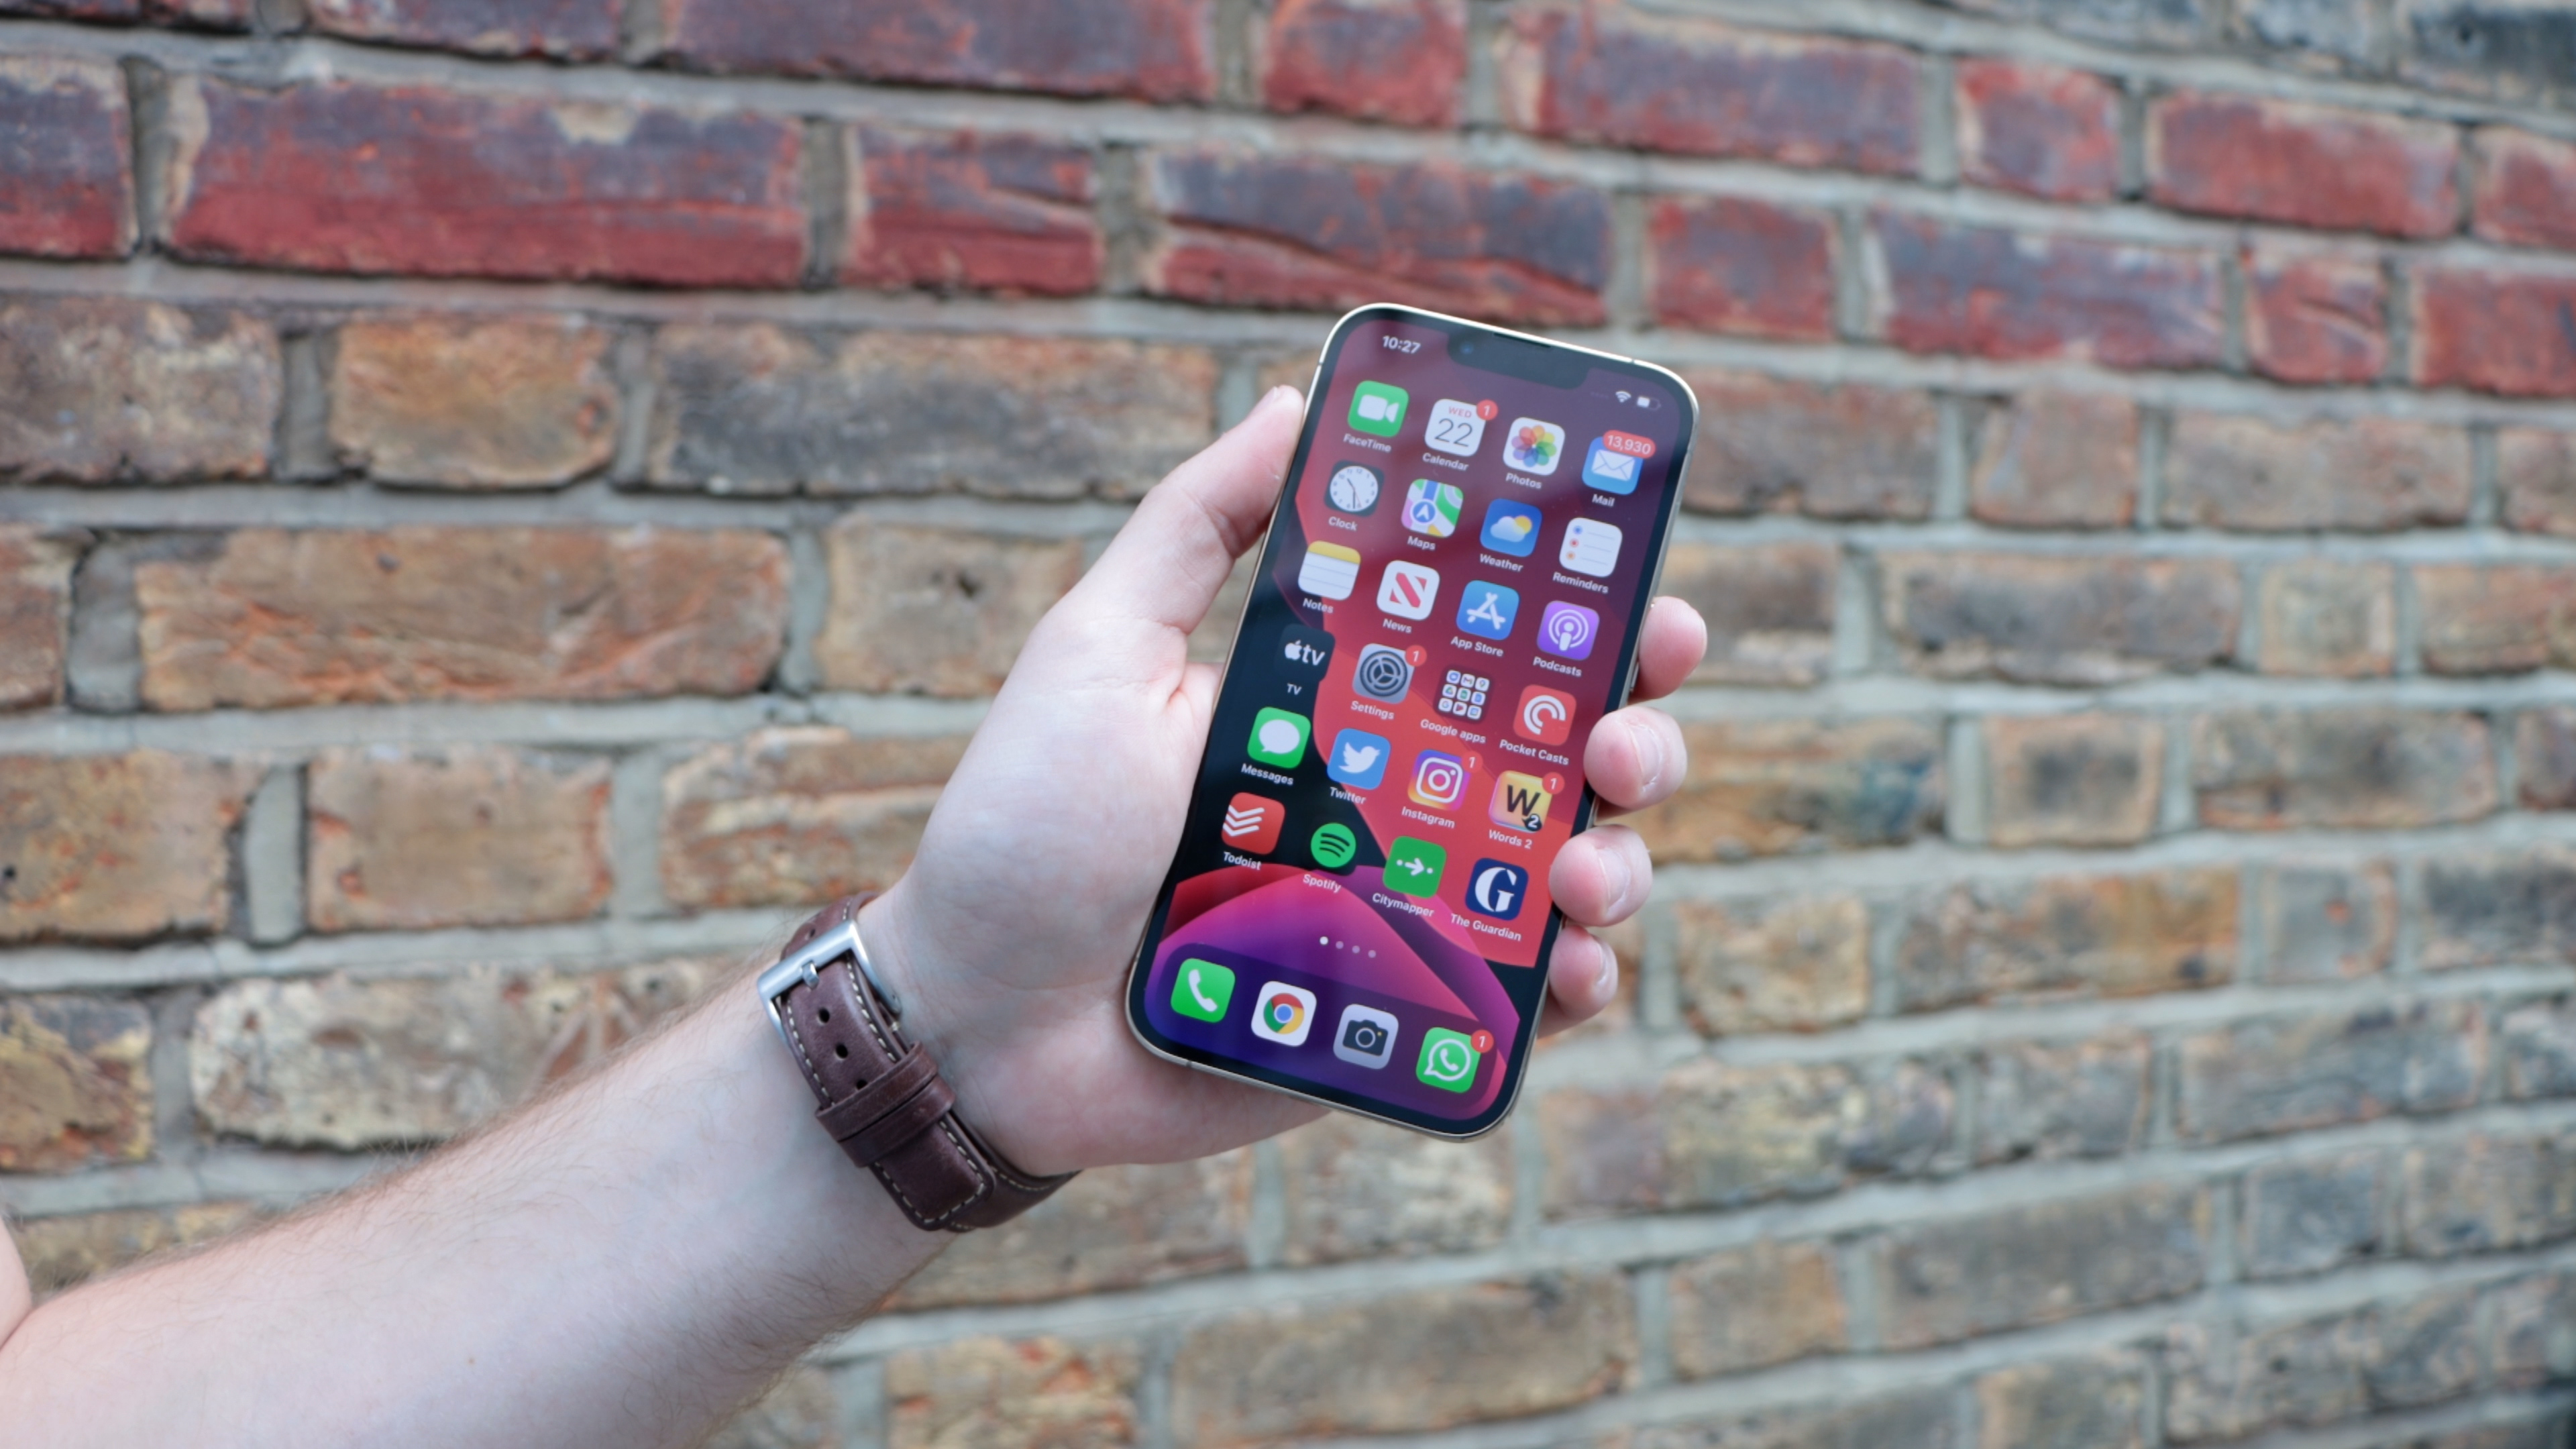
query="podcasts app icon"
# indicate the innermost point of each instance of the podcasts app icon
(1567, 630)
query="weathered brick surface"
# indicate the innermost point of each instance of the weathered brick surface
(212, 14)
(2099, 1402)
(2526, 189)
(2494, 330)
(1769, 444)
(1795, 965)
(2350, 769)
(932, 610)
(1355, 1189)
(2307, 165)
(75, 1083)
(1916, 1418)
(2315, 316)
(267, 618)
(2039, 129)
(1159, 50)
(1753, 1307)
(761, 409)
(2288, 1074)
(2496, 618)
(1769, 608)
(800, 1411)
(2374, 474)
(2536, 480)
(566, 29)
(474, 835)
(799, 815)
(116, 847)
(1947, 1280)
(1116, 1227)
(2493, 908)
(2058, 619)
(2323, 616)
(65, 1252)
(2484, 1193)
(1249, 229)
(2532, 1342)
(1621, 77)
(1994, 293)
(35, 615)
(334, 1062)
(1424, 1360)
(995, 1391)
(1768, 787)
(66, 158)
(1731, 264)
(2311, 1216)
(2113, 935)
(515, 403)
(2231, 1380)
(2051, 1100)
(345, 176)
(111, 390)
(2322, 923)
(2544, 758)
(1403, 61)
(2057, 460)
(2537, 1041)
(2080, 779)
(999, 212)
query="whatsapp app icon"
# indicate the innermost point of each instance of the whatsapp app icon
(1448, 1060)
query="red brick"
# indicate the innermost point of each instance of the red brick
(1154, 50)
(75, 1083)
(2327, 617)
(2525, 192)
(2057, 460)
(2496, 618)
(994, 1391)
(2536, 476)
(2496, 331)
(1769, 608)
(991, 212)
(934, 611)
(2072, 779)
(1289, 231)
(266, 618)
(1111, 1228)
(1770, 1303)
(2307, 165)
(1355, 1189)
(66, 182)
(2120, 935)
(104, 389)
(1795, 965)
(35, 616)
(2039, 129)
(509, 402)
(1614, 75)
(474, 835)
(2058, 619)
(2371, 474)
(2315, 317)
(213, 14)
(2348, 769)
(350, 177)
(1403, 61)
(117, 847)
(1730, 264)
(1775, 787)
(792, 816)
(1776, 444)
(565, 29)
(65, 1252)
(1995, 293)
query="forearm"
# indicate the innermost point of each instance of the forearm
(622, 1263)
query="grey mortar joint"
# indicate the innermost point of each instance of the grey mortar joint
(635, 834)
(272, 849)
(303, 446)
(827, 175)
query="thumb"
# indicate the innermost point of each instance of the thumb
(1167, 564)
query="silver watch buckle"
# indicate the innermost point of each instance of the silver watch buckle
(806, 965)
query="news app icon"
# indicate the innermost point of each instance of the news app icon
(1546, 715)
(1252, 823)
(1510, 528)
(1407, 590)
(1591, 547)
(1438, 779)
(1358, 759)
(1520, 802)
(1496, 888)
(1567, 630)
(1366, 1036)
(1283, 1013)
(1330, 570)
(1303, 653)
(1614, 461)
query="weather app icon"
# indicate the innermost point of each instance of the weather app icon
(1510, 528)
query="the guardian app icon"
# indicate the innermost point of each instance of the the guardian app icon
(1497, 889)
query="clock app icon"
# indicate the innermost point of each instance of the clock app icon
(1354, 488)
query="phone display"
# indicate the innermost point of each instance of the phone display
(1448, 600)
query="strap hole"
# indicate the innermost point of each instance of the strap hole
(841, 1051)
(826, 1013)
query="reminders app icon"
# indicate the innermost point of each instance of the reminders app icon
(1591, 547)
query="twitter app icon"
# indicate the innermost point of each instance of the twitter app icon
(1510, 528)
(1358, 759)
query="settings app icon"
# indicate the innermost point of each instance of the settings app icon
(1382, 673)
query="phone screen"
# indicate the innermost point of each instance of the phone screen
(1447, 601)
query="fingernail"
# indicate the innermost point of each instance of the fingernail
(1283, 390)
(1605, 977)
(1650, 753)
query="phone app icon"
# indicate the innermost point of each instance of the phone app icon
(1431, 507)
(1278, 738)
(1533, 446)
(1252, 823)
(1414, 866)
(1496, 888)
(1382, 673)
(1334, 846)
(1358, 759)
(1406, 590)
(1330, 571)
(1614, 461)
(1448, 1060)
(1303, 653)
(1510, 528)
(1438, 779)
(1546, 715)
(1520, 802)
(1203, 990)
(1354, 488)
(1378, 408)
(1591, 547)
(1456, 427)
(1285, 1014)
(1366, 1036)
(1487, 610)
(1567, 630)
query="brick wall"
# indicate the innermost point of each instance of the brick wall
(506, 502)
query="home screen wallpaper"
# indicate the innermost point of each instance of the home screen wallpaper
(1360, 902)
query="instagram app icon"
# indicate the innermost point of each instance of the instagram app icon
(1567, 630)
(1438, 779)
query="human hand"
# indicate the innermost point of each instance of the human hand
(1009, 939)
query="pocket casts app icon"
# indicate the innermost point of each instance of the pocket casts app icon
(1283, 1014)
(1546, 715)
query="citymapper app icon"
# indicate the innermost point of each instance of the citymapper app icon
(1487, 610)
(1510, 528)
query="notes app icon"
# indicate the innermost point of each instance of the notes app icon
(1331, 571)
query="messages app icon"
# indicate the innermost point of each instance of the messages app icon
(1510, 528)
(1278, 738)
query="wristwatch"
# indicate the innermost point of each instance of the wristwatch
(880, 1096)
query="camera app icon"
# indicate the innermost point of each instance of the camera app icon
(1366, 1037)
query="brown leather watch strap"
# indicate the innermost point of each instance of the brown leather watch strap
(880, 1096)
